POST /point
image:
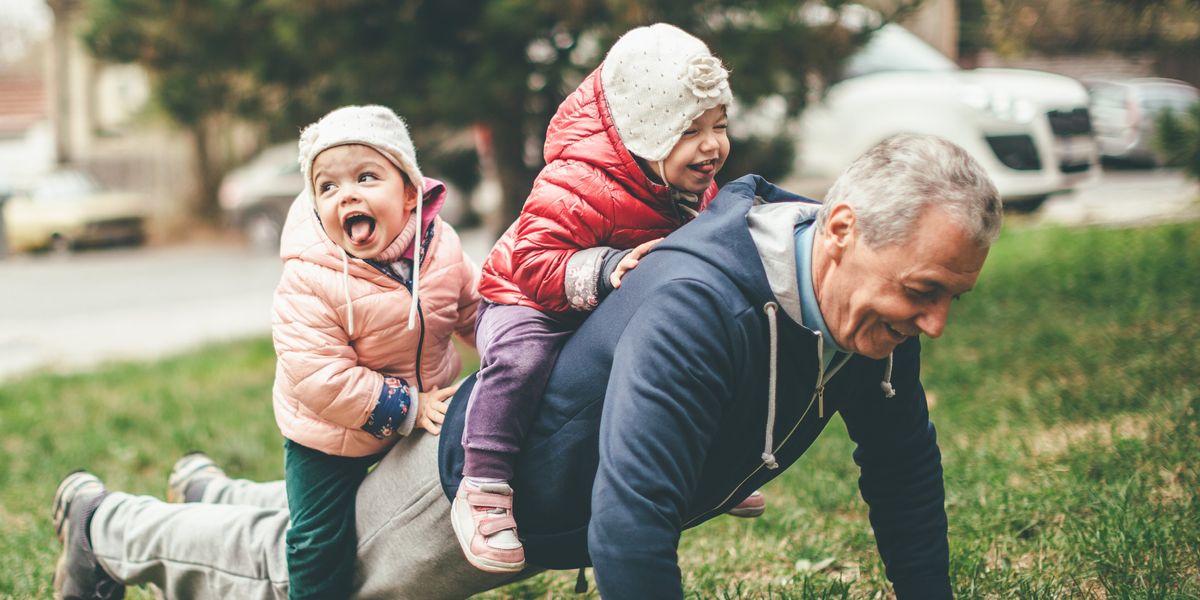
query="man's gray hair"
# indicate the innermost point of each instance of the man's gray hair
(891, 185)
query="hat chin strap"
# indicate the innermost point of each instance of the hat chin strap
(662, 172)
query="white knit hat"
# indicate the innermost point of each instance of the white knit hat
(372, 125)
(657, 80)
(381, 129)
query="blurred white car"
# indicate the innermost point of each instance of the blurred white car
(67, 209)
(256, 196)
(1030, 130)
(1126, 111)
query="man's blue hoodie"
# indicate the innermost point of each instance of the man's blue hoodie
(657, 414)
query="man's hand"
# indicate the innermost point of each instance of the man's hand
(432, 408)
(630, 261)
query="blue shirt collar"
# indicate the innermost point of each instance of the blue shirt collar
(809, 309)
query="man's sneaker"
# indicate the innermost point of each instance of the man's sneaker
(753, 506)
(78, 575)
(189, 476)
(483, 521)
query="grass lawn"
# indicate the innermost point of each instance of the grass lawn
(1067, 390)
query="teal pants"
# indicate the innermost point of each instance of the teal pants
(321, 541)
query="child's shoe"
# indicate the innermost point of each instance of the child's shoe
(483, 521)
(753, 506)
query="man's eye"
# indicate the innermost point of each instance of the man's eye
(921, 294)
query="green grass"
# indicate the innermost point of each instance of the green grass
(1067, 402)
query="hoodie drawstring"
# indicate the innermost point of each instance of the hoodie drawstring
(886, 385)
(820, 376)
(346, 289)
(767, 456)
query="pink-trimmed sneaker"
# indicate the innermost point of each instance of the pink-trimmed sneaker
(753, 506)
(483, 522)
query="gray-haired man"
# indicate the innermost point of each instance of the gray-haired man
(717, 364)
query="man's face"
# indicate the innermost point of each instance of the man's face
(874, 299)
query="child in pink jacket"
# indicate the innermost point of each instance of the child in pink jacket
(374, 285)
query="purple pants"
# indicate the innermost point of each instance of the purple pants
(517, 348)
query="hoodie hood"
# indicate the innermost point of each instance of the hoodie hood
(772, 227)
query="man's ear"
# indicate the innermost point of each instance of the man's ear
(841, 231)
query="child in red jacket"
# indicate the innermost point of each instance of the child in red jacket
(630, 156)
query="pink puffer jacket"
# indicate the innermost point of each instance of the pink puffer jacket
(327, 382)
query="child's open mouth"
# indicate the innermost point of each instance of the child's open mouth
(359, 228)
(706, 167)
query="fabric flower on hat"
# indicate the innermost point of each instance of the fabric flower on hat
(705, 77)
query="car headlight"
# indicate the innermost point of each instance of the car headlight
(1000, 104)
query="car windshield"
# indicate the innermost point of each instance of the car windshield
(1157, 98)
(64, 185)
(892, 48)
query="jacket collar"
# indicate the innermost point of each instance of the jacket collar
(772, 222)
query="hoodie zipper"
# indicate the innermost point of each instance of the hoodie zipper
(420, 317)
(818, 394)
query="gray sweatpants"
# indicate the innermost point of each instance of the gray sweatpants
(235, 549)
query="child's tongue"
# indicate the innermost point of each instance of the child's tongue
(360, 230)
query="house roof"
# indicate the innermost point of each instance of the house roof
(23, 102)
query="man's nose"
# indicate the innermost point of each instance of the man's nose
(932, 321)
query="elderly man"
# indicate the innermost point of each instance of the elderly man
(716, 365)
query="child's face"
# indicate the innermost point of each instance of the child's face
(363, 200)
(700, 153)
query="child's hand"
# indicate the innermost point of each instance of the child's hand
(630, 261)
(433, 407)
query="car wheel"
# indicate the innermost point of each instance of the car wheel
(60, 246)
(263, 231)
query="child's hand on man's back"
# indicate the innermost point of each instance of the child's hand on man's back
(432, 408)
(631, 260)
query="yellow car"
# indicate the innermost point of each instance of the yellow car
(68, 210)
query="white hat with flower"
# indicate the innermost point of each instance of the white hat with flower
(657, 80)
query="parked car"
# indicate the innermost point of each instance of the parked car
(1126, 111)
(257, 195)
(68, 209)
(1029, 130)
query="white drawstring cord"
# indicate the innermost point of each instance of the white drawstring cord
(416, 278)
(767, 456)
(886, 385)
(820, 376)
(346, 290)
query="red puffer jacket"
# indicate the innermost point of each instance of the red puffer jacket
(591, 193)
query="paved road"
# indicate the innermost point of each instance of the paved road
(73, 312)
(1126, 197)
(66, 313)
